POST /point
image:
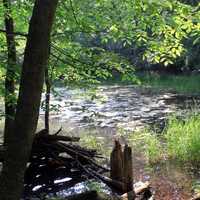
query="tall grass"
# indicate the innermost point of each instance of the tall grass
(180, 141)
(183, 138)
(187, 84)
(148, 143)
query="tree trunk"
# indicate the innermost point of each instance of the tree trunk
(47, 98)
(32, 78)
(10, 73)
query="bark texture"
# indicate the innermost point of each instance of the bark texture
(10, 72)
(32, 78)
(47, 98)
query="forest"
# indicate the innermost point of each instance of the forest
(99, 99)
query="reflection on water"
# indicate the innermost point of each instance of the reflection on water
(115, 107)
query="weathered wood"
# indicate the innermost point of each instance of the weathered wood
(118, 185)
(57, 138)
(144, 187)
(64, 148)
(116, 162)
(127, 169)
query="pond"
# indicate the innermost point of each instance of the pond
(116, 107)
(104, 112)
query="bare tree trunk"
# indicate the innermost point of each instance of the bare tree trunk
(32, 78)
(10, 73)
(47, 98)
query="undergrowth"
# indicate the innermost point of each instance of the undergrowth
(180, 140)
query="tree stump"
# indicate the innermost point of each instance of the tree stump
(116, 162)
(127, 169)
(122, 167)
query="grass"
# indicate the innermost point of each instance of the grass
(180, 141)
(92, 141)
(183, 138)
(187, 84)
(147, 143)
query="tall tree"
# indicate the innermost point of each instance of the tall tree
(32, 78)
(10, 74)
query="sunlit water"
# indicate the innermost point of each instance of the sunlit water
(116, 107)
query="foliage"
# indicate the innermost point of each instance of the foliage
(160, 27)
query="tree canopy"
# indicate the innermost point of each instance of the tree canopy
(166, 31)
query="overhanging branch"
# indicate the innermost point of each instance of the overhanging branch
(15, 33)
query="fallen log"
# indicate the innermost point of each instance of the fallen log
(47, 150)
